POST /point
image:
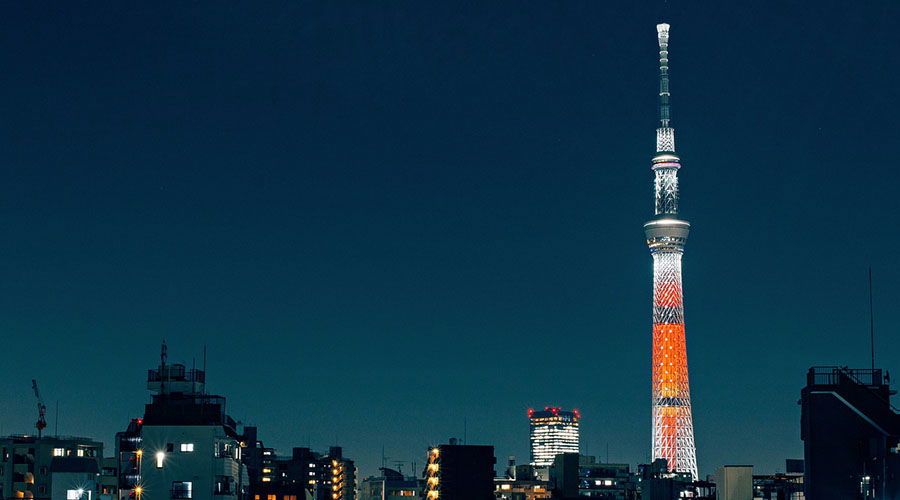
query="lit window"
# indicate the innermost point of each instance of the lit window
(160, 458)
(267, 470)
(271, 497)
(187, 447)
(59, 452)
(182, 489)
(80, 452)
(74, 494)
(266, 479)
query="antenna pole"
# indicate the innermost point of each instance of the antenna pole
(871, 320)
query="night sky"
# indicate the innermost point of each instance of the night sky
(390, 221)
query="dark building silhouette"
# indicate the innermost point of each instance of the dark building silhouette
(304, 474)
(564, 475)
(460, 472)
(850, 435)
(659, 483)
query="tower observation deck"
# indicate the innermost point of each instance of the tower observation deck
(673, 427)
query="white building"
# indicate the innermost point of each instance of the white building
(553, 432)
(190, 447)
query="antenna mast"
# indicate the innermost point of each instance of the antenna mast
(871, 320)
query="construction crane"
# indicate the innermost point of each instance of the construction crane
(41, 424)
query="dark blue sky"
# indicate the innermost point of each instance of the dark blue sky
(387, 218)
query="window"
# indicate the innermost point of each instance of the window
(42, 490)
(271, 497)
(160, 458)
(75, 494)
(224, 485)
(59, 452)
(181, 489)
(80, 452)
(170, 447)
(187, 447)
(43, 470)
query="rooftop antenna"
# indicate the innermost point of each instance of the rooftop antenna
(871, 320)
(204, 371)
(163, 355)
(465, 430)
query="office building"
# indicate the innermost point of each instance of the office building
(553, 431)
(850, 434)
(460, 472)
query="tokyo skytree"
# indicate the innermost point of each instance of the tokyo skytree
(673, 426)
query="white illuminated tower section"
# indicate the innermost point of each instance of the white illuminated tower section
(673, 427)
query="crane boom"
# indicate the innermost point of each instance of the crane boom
(41, 423)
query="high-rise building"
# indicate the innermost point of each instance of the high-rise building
(553, 431)
(673, 427)
(460, 472)
(851, 434)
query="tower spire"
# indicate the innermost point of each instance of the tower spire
(665, 134)
(672, 423)
(662, 34)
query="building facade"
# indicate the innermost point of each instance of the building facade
(36, 468)
(189, 447)
(460, 472)
(305, 474)
(851, 435)
(734, 482)
(391, 485)
(553, 431)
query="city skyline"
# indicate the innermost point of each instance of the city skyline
(436, 211)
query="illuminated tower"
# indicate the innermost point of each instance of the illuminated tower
(673, 426)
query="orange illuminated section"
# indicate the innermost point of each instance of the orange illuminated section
(670, 377)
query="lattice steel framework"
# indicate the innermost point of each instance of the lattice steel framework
(673, 428)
